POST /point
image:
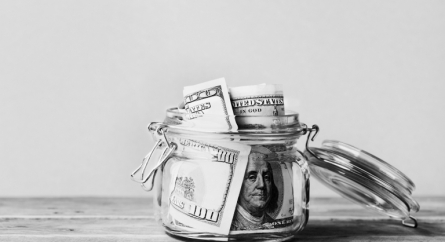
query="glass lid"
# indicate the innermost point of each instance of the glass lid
(363, 178)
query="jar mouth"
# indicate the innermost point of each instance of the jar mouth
(180, 121)
(182, 112)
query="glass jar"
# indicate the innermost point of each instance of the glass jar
(215, 184)
(212, 182)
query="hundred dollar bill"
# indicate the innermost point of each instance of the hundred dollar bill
(203, 191)
(266, 200)
(208, 106)
(257, 100)
(251, 103)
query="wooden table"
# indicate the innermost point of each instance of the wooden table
(131, 219)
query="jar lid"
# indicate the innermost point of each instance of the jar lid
(363, 178)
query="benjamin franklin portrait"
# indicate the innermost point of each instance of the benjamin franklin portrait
(258, 196)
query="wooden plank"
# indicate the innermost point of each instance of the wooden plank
(76, 206)
(142, 206)
(130, 219)
(339, 207)
(103, 229)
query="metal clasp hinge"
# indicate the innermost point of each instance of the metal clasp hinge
(159, 132)
(310, 130)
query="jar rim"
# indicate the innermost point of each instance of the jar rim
(287, 125)
(177, 111)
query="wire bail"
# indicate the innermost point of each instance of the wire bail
(159, 132)
(306, 129)
(412, 222)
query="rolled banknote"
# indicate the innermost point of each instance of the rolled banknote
(208, 106)
(257, 100)
(203, 191)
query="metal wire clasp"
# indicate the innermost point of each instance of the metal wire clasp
(159, 132)
(306, 129)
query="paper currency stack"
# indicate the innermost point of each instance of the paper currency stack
(229, 188)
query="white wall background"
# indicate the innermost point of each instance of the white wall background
(80, 81)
